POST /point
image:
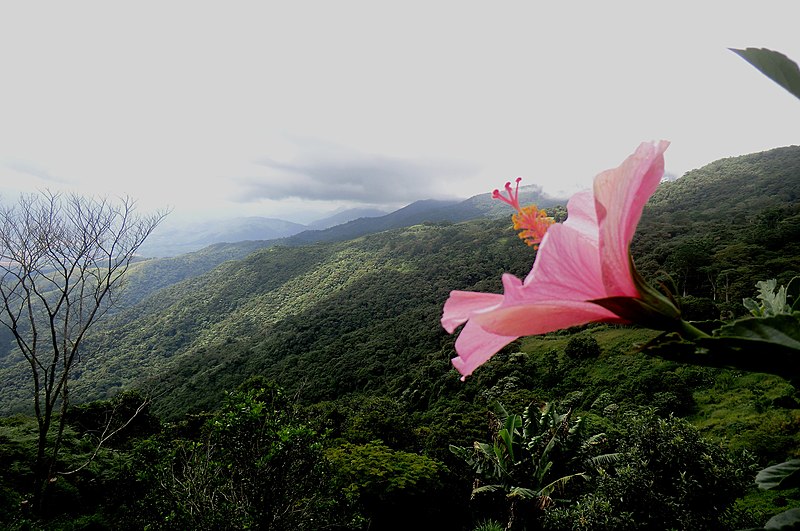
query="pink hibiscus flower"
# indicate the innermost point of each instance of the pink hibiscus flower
(582, 273)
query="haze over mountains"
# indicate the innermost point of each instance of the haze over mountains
(172, 239)
(362, 299)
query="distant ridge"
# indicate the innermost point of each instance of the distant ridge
(149, 276)
(417, 212)
(173, 240)
(363, 314)
(345, 216)
(431, 210)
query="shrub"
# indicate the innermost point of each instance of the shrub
(582, 346)
(666, 477)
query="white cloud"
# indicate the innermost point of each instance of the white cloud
(175, 103)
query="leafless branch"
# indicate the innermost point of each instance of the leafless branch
(61, 258)
(108, 434)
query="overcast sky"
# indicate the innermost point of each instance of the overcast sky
(281, 108)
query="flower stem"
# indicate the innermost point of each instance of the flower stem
(689, 331)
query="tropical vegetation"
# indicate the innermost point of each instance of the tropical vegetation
(309, 386)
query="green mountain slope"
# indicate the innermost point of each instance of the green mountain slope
(718, 229)
(149, 276)
(349, 315)
(330, 318)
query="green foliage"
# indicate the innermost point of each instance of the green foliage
(519, 461)
(366, 418)
(147, 277)
(666, 477)
(393, 486)
(490, 525)
(775, 66)
(717, 228)
(97, 492)
(582, 347)
(699, 308)
(773, 299)
(253, 465)
(375, 471)
(750, 411)
(126, 416)
(768, 342)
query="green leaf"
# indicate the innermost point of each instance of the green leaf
(769, 344)
(521, 492)
(793, 294)
(486, 488)
(778, 331)
(753, 307)
(561, 483)
(507, 438)
(775, 66)
(786, 520)
(781, 476)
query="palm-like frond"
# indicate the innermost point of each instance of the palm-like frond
(602, 461)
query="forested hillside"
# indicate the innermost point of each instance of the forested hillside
(332, 318)
(151, 275)
(331, 354)
(719, 227)
(358, 315)
(346, 314)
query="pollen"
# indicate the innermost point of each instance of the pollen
(531, 222)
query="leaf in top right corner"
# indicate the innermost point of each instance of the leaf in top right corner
(793, 294)
(775, 66)
(778, 331)
(781, 476)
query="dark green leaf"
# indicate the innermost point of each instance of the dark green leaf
(778, 331)
(781, 476)
(775, 66)
(769, 345)
(793, 294)
(786, 520)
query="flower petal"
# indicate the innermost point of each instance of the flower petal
(567, 267)
(541, 317)
(462, 304)
(585, 258)
(581, 214)
(566, 275)
(620, 195)
(474, 346)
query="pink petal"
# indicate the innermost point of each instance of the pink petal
(475, 346)
(541, 317)
(567, 267)
(620, 195)
(582, 215)
(566, 274)
(461, 304)
(584, 258)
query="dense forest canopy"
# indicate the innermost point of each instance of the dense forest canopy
(335, 348)
(718, 227)
(358, 314)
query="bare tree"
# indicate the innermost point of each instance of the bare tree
(62, 259)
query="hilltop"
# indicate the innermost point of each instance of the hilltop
(326, 314)
(327, 351)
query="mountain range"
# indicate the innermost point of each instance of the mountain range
(356, 307)
(172, 239)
